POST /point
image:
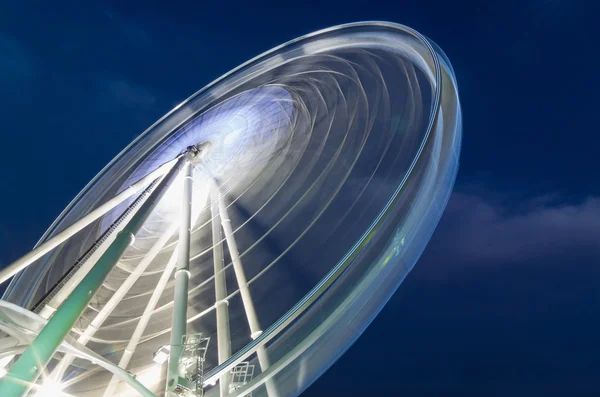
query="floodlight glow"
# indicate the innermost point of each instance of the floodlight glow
(162, 355)
(231, 137)
(213, 382)
(50, 388)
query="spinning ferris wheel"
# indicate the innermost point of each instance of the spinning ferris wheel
(248, 237)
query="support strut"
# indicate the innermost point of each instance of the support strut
(221, 303)
(255, 331)
(63, 236)
(29, 366)
(182, 276)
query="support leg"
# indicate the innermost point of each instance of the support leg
(63, 236)
(182, 275)
(221, 304)
(114, 300)
(51, 303)
(141, 327)
(29, 366)
(263, 358)
(148, 311)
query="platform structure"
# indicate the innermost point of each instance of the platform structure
(241, 375)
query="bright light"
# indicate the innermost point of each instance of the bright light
(149, 377)
(161, 356)
(212, 382)
(49, 388)
(231, 137)
(2, 372)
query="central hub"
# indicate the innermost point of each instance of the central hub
(195, 153)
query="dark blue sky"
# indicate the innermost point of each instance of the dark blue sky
(506, 299)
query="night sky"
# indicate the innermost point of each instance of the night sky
(506, 298)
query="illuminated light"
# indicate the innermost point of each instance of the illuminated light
(161, 356)
(149, 377)
(2, 372)
(212, 382)
(49, 388)
(231, 137)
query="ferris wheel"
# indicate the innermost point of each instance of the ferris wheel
(243, 242)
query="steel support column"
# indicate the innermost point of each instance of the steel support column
(182, 276)
(240, 275)
(114, 300)
(221, 304)
(63, 236)
(149, 310)
(141, 327)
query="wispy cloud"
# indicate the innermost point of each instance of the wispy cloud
(477, 232)
(125, 105)
(126, 93)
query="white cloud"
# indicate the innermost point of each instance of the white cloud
(474, 231)
(129, 94)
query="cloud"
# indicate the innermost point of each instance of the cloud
(476, 232)
(122, 94)
(130, 94)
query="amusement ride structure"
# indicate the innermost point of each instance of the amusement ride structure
(243, 242)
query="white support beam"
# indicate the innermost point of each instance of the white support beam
(221, 303)
(64, 291)
(63, 236)
(32, 362)
(114, 300)
(141, 327)
(148, 311)
(182, 276)
(255, 330)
